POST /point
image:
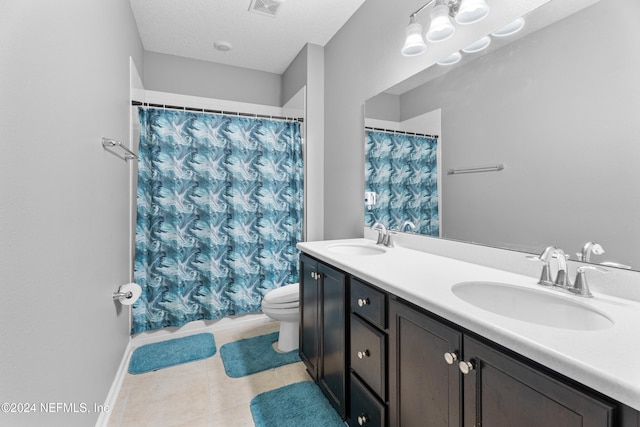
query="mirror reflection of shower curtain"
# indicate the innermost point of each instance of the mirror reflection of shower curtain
(219, 212)
(402, 170)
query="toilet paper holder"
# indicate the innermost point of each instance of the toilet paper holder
(118, 295)
(127, 294)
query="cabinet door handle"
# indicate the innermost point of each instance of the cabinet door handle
(314, 275)
(363, 354)
(466, 367)
(363, 419)
(363, 301)
(450, 357)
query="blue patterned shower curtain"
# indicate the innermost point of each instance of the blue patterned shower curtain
(402, 170)
(219, 212)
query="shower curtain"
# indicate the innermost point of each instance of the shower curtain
(219, 212)
(402, 170)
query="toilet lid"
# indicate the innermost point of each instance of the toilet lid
(283, 294)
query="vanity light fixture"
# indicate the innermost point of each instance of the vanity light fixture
(414, 44)
(471, 11)
(509, 29)
(441, 28)
(454, 58)
(479, 45)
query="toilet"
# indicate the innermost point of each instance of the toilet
(282, 304)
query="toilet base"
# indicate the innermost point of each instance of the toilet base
(289, 336)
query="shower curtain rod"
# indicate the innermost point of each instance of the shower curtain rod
(401, 132)
(225, 112)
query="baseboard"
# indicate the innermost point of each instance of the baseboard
(150, 337)
(116, 386)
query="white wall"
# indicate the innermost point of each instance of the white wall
(64, 215)
(185, 76)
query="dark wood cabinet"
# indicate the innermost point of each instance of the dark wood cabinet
(323, 345)
(428, 387)
(368, 350)
(365, 409)
(501, 391)
(424, 390)
(309, 315)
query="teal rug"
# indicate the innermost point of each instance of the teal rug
(251, 355)
(152, 357)
(294, 405)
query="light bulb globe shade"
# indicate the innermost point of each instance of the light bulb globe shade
(478, 45)
(441, 27)
(414, 44)
(472, 11)
(509, 29)
(454, 58)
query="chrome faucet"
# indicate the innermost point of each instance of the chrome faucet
(408, 224)
(581, 287)
(562, 276)
(588, 249)
(384, 235)
(382, 232)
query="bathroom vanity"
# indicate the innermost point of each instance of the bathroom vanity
(389, 340)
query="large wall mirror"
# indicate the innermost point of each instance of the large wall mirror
(559, 106)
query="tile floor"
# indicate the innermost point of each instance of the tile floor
(199, 393)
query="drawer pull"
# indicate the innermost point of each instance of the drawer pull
(466, 367)
(363, 354)
(363, 419)
(450, 357)
(363, 301)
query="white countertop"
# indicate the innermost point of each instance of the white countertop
(603, 359)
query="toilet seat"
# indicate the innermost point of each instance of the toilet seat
(280, 311)
(282, 295)
(278, 306)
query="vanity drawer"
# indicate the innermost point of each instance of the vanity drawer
(368, 355)
(369, 303)
(366, 409)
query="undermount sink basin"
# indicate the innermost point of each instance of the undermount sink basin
(355, 249)
(533, 306)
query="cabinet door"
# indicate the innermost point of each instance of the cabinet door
(502, 392)
(424, 389)
(333, 341)
(309, 320)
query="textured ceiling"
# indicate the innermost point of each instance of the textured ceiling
(268, 43)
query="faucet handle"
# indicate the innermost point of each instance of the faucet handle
(581, 286)
(387, 238)
(545, 275)
(382, 232)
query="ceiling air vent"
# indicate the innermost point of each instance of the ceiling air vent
(265, 7)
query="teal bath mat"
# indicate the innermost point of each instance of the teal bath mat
(251, 355)
(294, 405)
(152, 357)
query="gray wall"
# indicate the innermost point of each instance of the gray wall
(558, 107)
(294, 77)
(384, 106)
(64, 215)
(185, 76)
